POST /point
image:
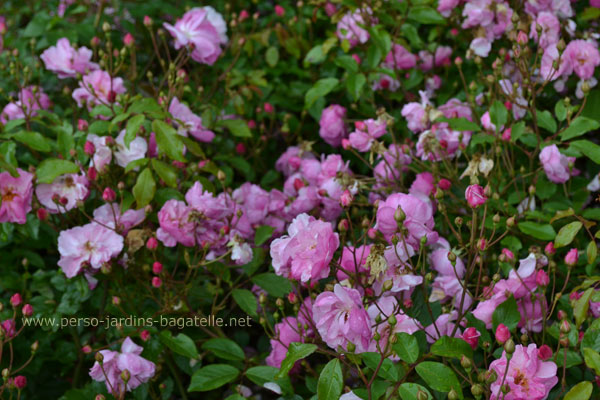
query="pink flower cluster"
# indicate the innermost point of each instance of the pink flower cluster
(29, 100)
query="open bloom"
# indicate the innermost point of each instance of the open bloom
(63, 194)
(528, 377)
(114, 363)
(305, 253)
(67, 62)
(91, 244)
(555, 164)
(15, 194)
(349, 28)
(286, 332)
(188, 122)
(332, 128)
(584, 58)
(341, 318)
(96, 88)
(30, 99)
(204, 30)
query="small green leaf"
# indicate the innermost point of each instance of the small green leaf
(315, 55)
(237, 127)
(546, 120)
(263, 233)
(166, 172)
(581, 307)
(507, 313)
(592, 359)
(144, 188)
(567, 233)
(275, 285)
(581, 391)
(167, 141)
(406, 347)
(272, 56)
(589, 149)
(331, 381)
(578, 127)
(246, 300)
(517, 131)
(146, 105)
(560, 110)
(132, 128)
(439, 377)
(51, 168)
(296, 351)
(498, 114)
(592, 252)
(425, 15)
(180, 344)
(34, 140)
(320, 89)
(451, 347)
(347, 62)
(409, 391)
(538, 231)
(224, 348)
(387, 370)
(355, 84)
(212, 377)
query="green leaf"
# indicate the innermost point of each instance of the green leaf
(132, 128)
(386, 371)
(578, 127)
(140, 162)
(566, 234)
(331, 381)
(439, 377)
(560, 110)
(591, 252)
(498, 114)
(212, 376)
(146, 105)
(409, 390)
(180, 344)
(51, 168)
(34, 140)
(296, 351)
(237, 127)
(355, 84)
(167, 141)
(246, 300)
(166, 172)
(425, 15)
(581, 307)
(144, 188)
(275, 285)
(507, 313)
(588, 149)
(315, 55)
(517, 131)
(592, 359)
(546, 120)
(263, 233)
(406, 347)
(411, 33)
(224, 348)
(461, 124)
(581, 391)
(346, 62)
(538, 231)
(451, 347)
(272, 56)
(320, 89)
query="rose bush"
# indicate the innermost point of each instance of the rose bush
(310, 200)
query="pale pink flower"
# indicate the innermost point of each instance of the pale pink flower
(176, 224)
(584, 57)
(341, 318)
(481, 46)
(188, 122)
(332, 127)
(91, 244)
(125, 154)
(71, 187)
(110, 216)
(445, 7)
(399, 58)
(30, 99)
(350, 28)
(528, 377)
(550, 33)
(305, 253)
(362, 139)
(98, 88)
(15, 196)
(67, 62)
(475, 196)
(555, 164)
(114, 363)
(353, 262)
(286, 332)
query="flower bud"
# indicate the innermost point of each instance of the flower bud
(541, 278)
(565, 327)
(145, 335)
(466, 363)
(572, 257)
(151, 243)
(35, 346)
(147, 21)
(20, 382)
(16, 300)
(549, 249)
(156, 282)
(109, 195)
(92, 174)
(444, 184)
(544, 352)
(27, 310)
(89, 148)
(509, 346)
(510, 222)
(99, 357)
(399, 215)
(128, 40)
(502, 333)
(157, 268)
(125, 375)
(477, 390)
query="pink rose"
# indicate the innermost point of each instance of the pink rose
(475, 196)
(97, 88)
(555, 164)
(72, 187)
(67, 62)
(16, 194)
(332, 127)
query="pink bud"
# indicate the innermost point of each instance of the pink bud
(506, 134)
(280, 11)
(471, 336)
(16, 300)
(95, 41)
(112, 96)
(330, 9)
(268, 108)
(109, 195)
(359, 125)
(346, 145)
(27, 310)
(128, 39)
(549, 249)
(482, 244)
(372, 233)
(292, 298)
(522, 38)
(145, 335)
(346, 198)
(508, 105)
(89, 148)
(87, 349)
(147, 21)
(157, 268)
(508, 254)
(356, 58)
(458, 60)
(244, 15)
(572, 257)
(151, 243)
(454, 31)
(116, 300)
(92, 174)
(240, 148)
(42, 214)
(156, 282)
(251, 124)
(475, 196)
(544, 352)
(20, 382)
(561, 314)
(444, 184)
(502, 333)
(82, 125)
(298, 184)
(541, 278)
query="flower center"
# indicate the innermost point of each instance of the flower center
(8, 195)
(521, 379)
